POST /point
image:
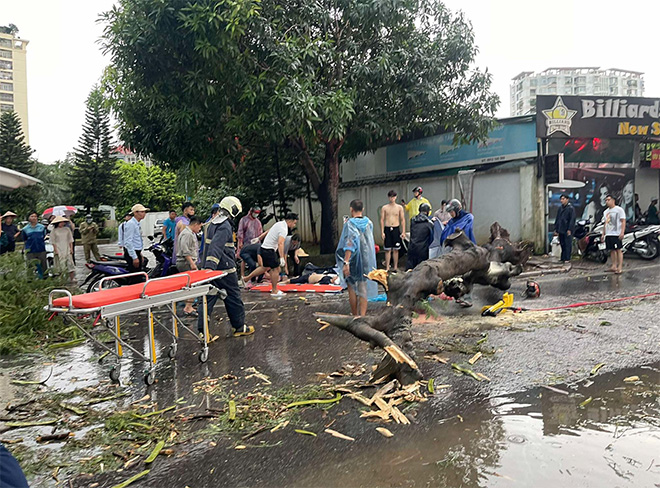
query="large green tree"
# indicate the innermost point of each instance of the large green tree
(17, 155)
(152, 186)
(328, 78)
(14, 152)
(91, 175)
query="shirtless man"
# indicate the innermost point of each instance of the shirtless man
(392, 226)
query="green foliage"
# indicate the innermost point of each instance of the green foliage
(153, 187)
(16, 155)
(23, 322)
(54, 189)
(91, 176)
(14, 152)
(328, 79)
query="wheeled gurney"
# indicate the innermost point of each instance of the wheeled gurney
(108, 304)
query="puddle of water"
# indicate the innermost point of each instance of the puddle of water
(538, 438)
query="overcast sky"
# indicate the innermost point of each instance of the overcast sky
(65, 60)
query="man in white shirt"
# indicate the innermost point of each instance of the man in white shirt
(614, 228)
(271, 254)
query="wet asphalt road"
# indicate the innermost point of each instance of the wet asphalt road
(482, 449)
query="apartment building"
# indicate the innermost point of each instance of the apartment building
(572, 81)
(13, 78)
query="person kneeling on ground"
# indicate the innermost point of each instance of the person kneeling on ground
(356, 257)
(187, 249)
(421, 236)
(272, 252)
(220, 255)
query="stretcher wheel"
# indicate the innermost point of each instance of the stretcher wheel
(115, 372)
(150, 377)
(203, 355)
(171, 352)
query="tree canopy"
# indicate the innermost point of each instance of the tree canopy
(91, 176)
(153, 187)
(328, 79)
(16, 155)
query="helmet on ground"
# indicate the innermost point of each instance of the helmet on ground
(418, 189)
(232, 205)
(532, 290)
(453, 206)
(424, 208)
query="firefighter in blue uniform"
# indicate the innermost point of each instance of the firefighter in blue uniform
(220, 254)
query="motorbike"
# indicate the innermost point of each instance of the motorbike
(588, 241)
(641, 240)
(115, 266)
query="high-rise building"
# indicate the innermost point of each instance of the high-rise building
(13, 78)
(572, 81)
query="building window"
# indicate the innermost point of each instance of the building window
(6, 65)
(4, 107)
(6, 97)
(581, 80)
(532, 82)
(5, 42)
(6, 75)
(6, 87)
(5, 54)
(614, 90)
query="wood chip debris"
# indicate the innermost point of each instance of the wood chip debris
(339, 435)
(384, 432)
(257, 374)
(437, 358)
(475, 358)
(631, 379)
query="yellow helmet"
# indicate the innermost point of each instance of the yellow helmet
(232, 205)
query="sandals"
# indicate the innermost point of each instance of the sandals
(190, 314)
(246, 330)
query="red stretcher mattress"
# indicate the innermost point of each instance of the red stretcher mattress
(293, 288)
(133, 292)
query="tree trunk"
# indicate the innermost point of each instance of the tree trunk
(328, 196)
(312, 220)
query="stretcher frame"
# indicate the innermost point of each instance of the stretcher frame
(109, 315)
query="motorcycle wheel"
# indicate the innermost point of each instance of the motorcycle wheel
(94, 285)
(155, 271)
(651, 250)
(601, 257)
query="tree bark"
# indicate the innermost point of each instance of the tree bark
(328, 194)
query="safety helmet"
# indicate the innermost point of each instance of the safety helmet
(532, 290)
(424, 208)
(232, 205)
(418, 189)
(454, 205)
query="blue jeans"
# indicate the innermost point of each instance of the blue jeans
(233, 302)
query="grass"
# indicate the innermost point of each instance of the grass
(24, 324)
(256, 410)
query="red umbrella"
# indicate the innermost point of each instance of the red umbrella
(63, 210)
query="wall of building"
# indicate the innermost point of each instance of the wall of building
(647, 186)
(510, 197)
(18, 74)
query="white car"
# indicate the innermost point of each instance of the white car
(158, 227)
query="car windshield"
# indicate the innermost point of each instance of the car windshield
(159, 222)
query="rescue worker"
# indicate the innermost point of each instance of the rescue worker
(89, 231)
(220, 254)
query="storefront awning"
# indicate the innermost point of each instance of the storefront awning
(11, 180)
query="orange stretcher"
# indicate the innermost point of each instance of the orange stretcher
(108, 304)
(298, 288)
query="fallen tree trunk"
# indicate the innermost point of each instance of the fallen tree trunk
(453, 273)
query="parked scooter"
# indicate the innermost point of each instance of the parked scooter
(588, 241)
(162, 251)
(165, 263)
(641, 240)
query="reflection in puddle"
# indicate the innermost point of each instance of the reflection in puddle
(537, 438)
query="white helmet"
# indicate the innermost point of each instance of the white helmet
(231, 205)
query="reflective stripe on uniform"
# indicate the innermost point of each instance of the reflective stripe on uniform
(213, 259)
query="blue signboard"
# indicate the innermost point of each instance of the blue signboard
(505, 143)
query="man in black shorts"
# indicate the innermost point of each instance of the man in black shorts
(614, 229)
(393, 226)
(272, 252)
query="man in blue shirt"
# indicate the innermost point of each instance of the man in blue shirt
(132, 240)
(169, 226)
(34, 236)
